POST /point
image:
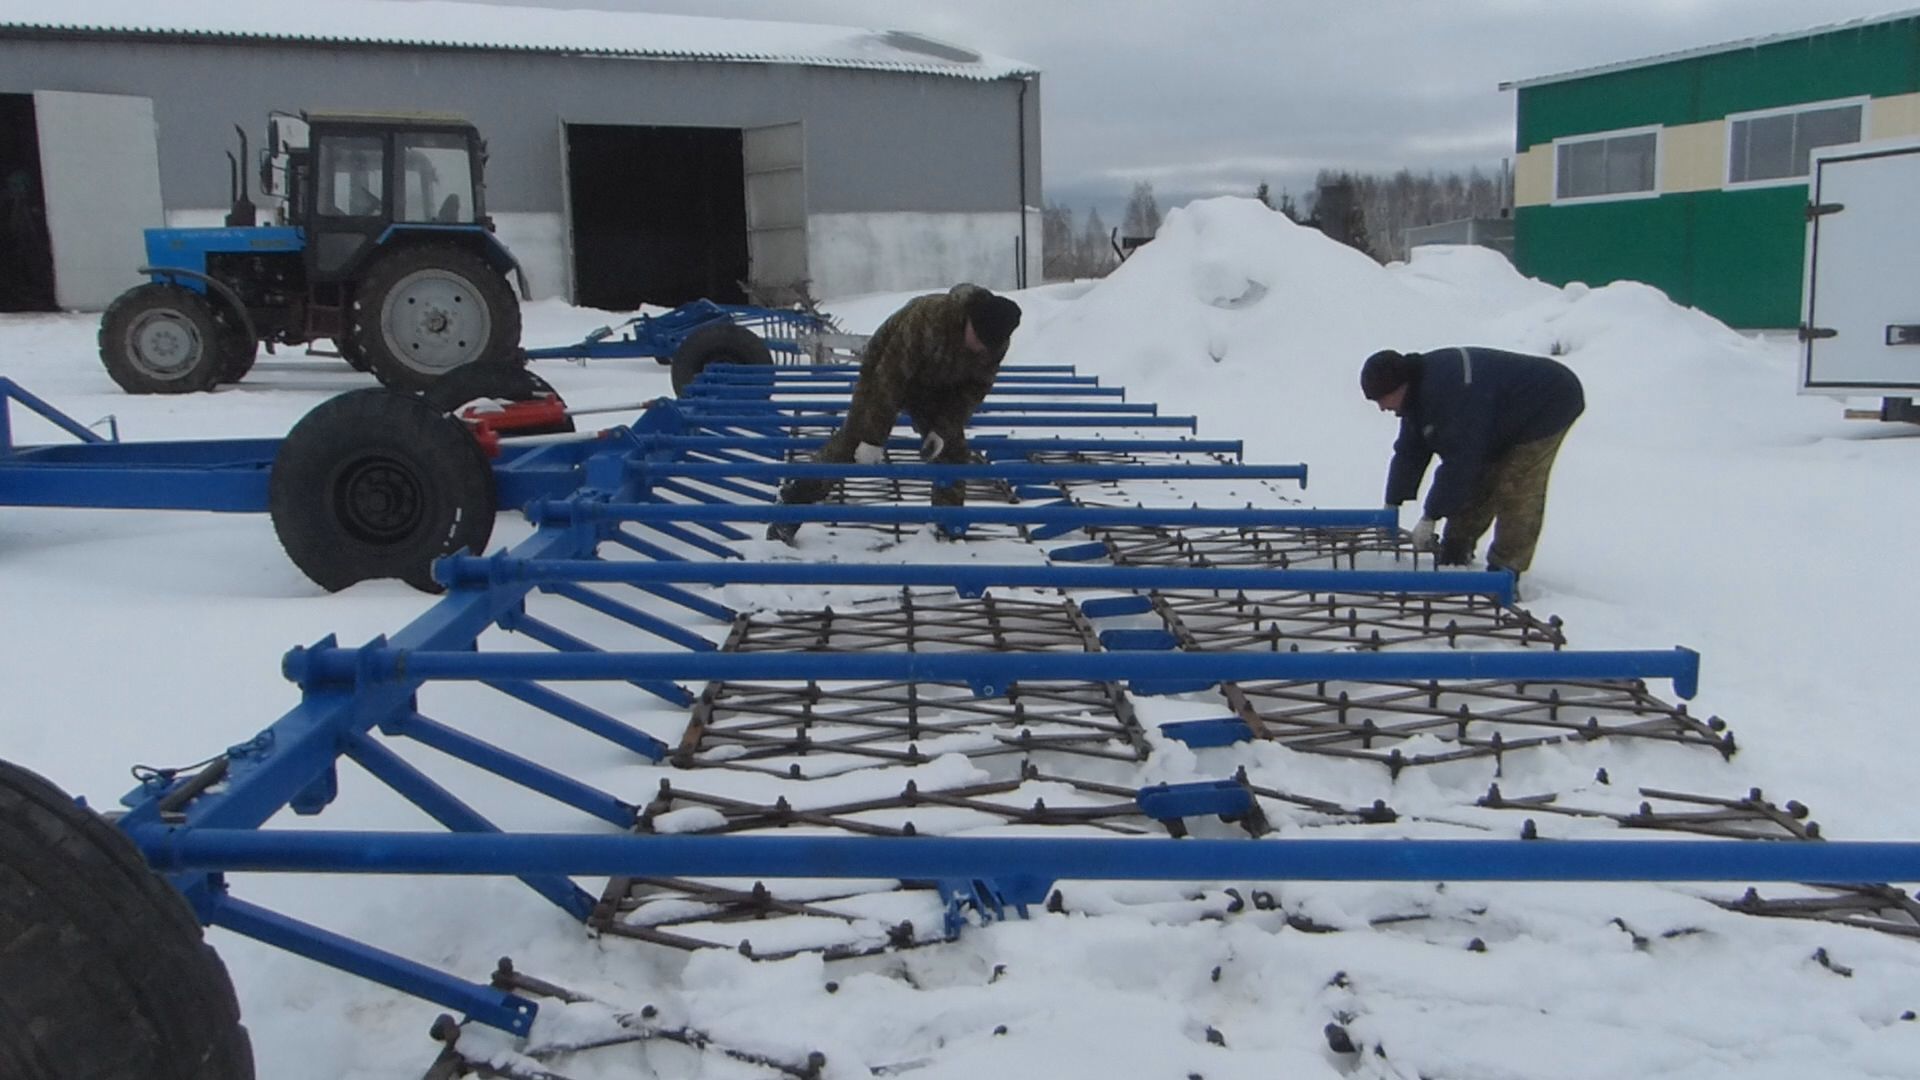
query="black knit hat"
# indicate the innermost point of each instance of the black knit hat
(993, 318)
(1387, 371)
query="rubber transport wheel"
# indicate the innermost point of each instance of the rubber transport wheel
(377, 484)
(355, 359)
(238, 349)
(424, 309)
(104, 972)
(720, 343)
(507, 382)
(161, 339)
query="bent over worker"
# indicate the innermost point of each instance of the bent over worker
(935, 359)
(1496, 419)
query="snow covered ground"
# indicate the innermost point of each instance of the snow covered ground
(1698, 502)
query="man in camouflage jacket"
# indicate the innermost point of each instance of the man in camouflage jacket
(934, 359)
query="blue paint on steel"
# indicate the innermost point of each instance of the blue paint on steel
(447, 809)
(1050, 472)
(929, 858)
(320, 667)
(1078, 552)
(1150, 640)
(555, 638)
(1171, 802)
(632, 616)
(1055, 514)
(1201, 734)
(1113, 606)
(660, 335)
(584, 717)
(11, 392)
(512, 767)
(774, 424)
(188, 248)
(496, 1008)
(472, 571)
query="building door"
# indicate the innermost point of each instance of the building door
(26, 253)
(657, 215)
(776, 180)
(100, 172)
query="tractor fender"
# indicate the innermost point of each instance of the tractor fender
(491, 248)
(215, 286)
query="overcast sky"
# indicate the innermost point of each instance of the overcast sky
(1204, 97)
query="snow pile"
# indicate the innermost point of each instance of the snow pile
(1698, 502)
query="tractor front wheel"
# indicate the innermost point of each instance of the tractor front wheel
(719, 343)
(104, 973)
(378, 484)
(162, 339)
(425, 309)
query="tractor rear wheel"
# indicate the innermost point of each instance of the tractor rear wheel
(425, 309)
(355, 359)
(378, 484)
(104, 973)
(719, 343)
(162, 339)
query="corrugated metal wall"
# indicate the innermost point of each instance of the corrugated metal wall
(875, 142)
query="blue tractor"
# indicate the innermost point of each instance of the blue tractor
(380, 242)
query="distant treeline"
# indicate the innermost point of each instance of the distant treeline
(1367, 211)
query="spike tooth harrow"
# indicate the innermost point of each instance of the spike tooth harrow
(1013, 698)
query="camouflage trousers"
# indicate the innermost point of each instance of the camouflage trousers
(950, 425)
(1511, 497)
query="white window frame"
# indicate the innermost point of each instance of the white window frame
(1659, 162)
(1727, 181)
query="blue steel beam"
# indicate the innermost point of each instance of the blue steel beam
(1023, 471)
(775, 445)
(760, 370)
(991, 673)
(496, 1008)
(1113, 410)
(1081, 858)
(969, 579)
(770, 421)
(824, 388)
(557, 511)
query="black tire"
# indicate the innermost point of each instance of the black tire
(508, 382)
(378, 484)
(720, 343)
(425, 309)
(355, 359)
(238, 349)
(104, 972)
(161, 339)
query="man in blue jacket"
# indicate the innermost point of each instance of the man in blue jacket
(1496, 420)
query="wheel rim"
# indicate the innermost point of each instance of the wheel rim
(163, 343)
(435, 320)
(378, 500)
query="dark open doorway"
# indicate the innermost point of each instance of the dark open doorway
(659, 215)
(26, 251)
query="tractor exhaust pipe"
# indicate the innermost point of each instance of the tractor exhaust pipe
(243, 214)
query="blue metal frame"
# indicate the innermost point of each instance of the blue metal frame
(681, 467)
(661, 335)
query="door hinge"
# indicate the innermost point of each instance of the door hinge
(1809, 333)
(1814, 210)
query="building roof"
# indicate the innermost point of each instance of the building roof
(1710, 50)
(448, 24)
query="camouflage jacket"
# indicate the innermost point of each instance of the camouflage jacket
(918, 361)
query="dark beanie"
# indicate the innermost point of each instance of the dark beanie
(993, 318)
(1387, 371)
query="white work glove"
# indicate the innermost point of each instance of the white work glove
(1423, 534)
(868, 454)
(932, 446)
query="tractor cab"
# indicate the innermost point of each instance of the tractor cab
(347, 179)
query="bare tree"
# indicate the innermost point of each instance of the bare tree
(1095, 250)
(1143, 213)
(1059, 257)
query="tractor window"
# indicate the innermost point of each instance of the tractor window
(437, 178)
(351, 172)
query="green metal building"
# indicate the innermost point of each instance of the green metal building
(1687, 171)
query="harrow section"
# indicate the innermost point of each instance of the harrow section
(925, 717)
